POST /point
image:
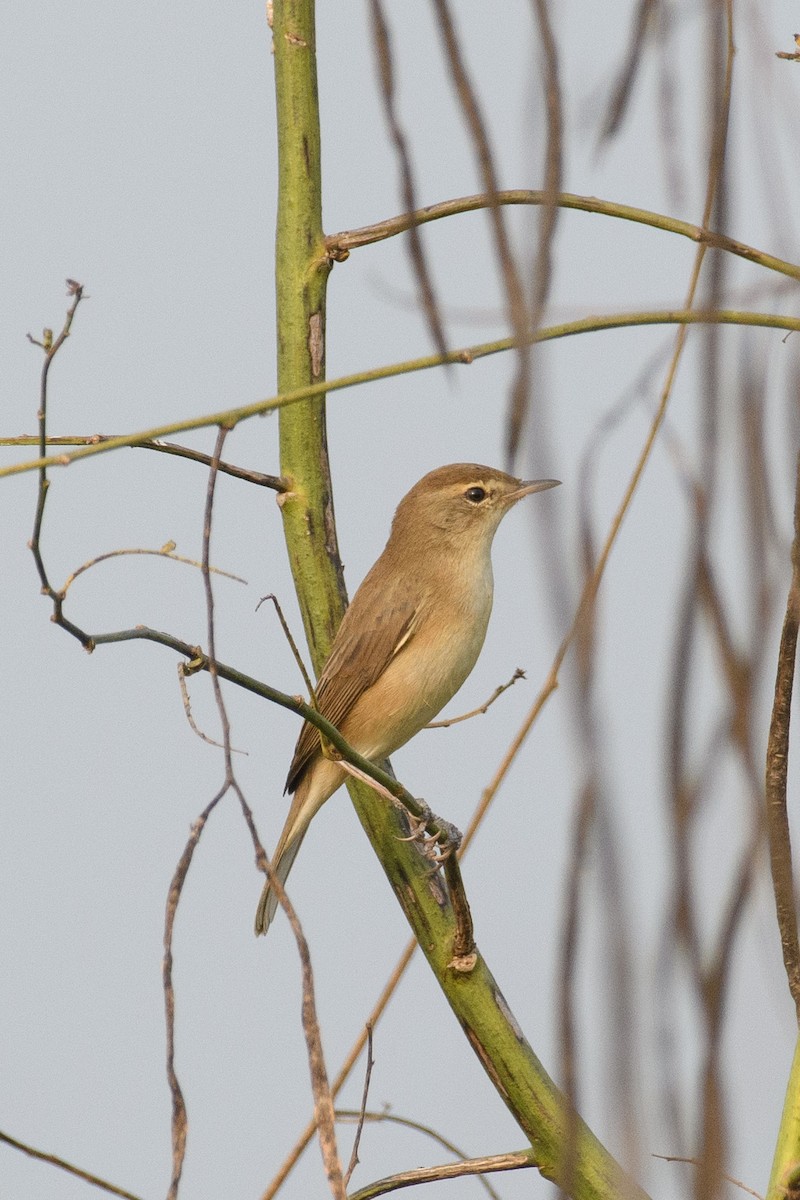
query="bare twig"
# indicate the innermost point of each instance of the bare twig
(179, 1115)
(51, 347)
(516, 305)
(542, 266)
(273, 482)
(298, 658)
(184, 671)
(324, 1116)
(383, 50)
(520, 1160)
(568, 967)
(370, 1063)
(780, 846)
(387, 1117)
(179, 1123)
(591, 831)
(695, 1162)
(97, 439)
(389, 989)
(710, 983)
(634, 61)
(323, 1100)
(166, 551)
(484, 708)
(63, 1165)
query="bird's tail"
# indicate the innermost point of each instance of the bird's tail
(314, 787)
(281, 865)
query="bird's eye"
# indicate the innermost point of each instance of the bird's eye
(475, 495)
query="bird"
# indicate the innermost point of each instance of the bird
(408, 640)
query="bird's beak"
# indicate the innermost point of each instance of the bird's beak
(528, 486)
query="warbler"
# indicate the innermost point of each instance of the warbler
(409, 639)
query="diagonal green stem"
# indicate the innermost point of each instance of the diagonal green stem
(785, 1177)
(302, 266)
(465, 355)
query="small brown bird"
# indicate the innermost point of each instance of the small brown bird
(409, 639)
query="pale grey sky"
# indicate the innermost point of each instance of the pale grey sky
(139, 158)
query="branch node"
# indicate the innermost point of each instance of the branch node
(198, 662)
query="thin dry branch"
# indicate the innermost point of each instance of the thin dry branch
(51, 347)
(695, 1162)
(179, 1121)
(419, 264)
(520, 1160)
(712, 982)
(184, 671)
(780, 846)
(634, 61)
(568, 963)
(387, 1117)
(287, 633)
(593, 832)
(166, 551)
(70, 1168)
(542, 266)
(389, 989)
(323, 1099)
(324, 1116)
(96, 439)
(483, 708)
(351, 1166)
(516, 304)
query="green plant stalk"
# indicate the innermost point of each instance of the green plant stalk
(301, 274)
(784, 1179)
(537, 1105)
(340, 244)
(301, 271)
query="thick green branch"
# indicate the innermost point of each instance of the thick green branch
(301, 273)
(784, 1183)
(476, 1000)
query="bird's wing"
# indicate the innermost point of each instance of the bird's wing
(360, 654)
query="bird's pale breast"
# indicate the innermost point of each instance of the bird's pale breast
(424, 675)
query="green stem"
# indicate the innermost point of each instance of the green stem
(785, 1177)
(340, 244)
(301, 269)
(466, 355)
(565, 1149)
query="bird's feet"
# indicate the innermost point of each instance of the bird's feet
(436, 838)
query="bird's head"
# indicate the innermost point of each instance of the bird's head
(461, 504)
